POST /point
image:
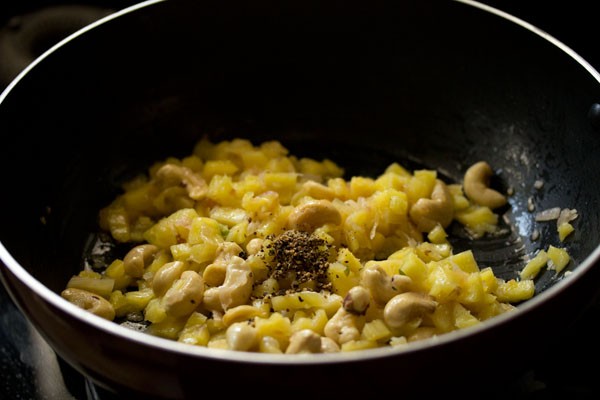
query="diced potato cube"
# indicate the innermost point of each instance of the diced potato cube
(305, 300)
(421, 185)
(560, 258)
(342, 278)
(463, 317)
(203, 252)
(534, 266)
(218, 167)
(205, 230)
(228, 215)
(514, 291)
(465, 260)
(171, 230)
(376, 331)
(360, 344)
(479, 220)
(413, 267)
(168, 328)
(276, 326)
(316, 323)
(438, 235)
(397, 169)
(445, 284)
(458, 197)
(488, 280)
(198, 335)
(139, 299)
(433, 252)
(361, 187)
(181, 252)
(116, 271)
(155, 312)
(564, 230)
(398, 341)
(443, 317)
(221, 190)
(101, 286)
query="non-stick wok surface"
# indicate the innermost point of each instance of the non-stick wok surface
(364, 87)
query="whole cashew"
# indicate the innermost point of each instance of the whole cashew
(476, 184)
(240, 313)
(165, 276)
(311, 215)
(304, 341)
(357, 300)
(439, 209)
(138, 258)
(405, 307)
(241, 336)
(382, 286)
(175, 175)
(89, 301)
(214, 274)
(342, 327)
(235, 290)
(185, 295)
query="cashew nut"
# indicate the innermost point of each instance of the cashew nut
(313, 214)
(268, 344)
(329, 345)
(254, 246)
(138, 258)
(357, 300)
(175, 175)
(240, 313)
(227, 250)
(476, 185)
(185, 295)
(165, 276)
(382, 286)
(241, 336)
(439, 209)
(89, 301)
(405, 307)
(235, 290)
(304, 341)
(214, 274)
(342, 327)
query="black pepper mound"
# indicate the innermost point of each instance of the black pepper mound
(297, 258)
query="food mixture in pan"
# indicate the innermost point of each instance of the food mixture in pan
(246, 247)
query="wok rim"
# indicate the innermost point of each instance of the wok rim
(145, 340)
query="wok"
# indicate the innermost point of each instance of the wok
(436, 84)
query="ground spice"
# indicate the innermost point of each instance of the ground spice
(299, 257)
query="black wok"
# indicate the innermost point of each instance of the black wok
(436, 84)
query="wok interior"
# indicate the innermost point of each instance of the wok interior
(363, 87)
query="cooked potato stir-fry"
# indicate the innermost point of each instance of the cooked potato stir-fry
(246, 247)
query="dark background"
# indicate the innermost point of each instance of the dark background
(28, 369)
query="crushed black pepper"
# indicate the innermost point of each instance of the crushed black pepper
(299, 257)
